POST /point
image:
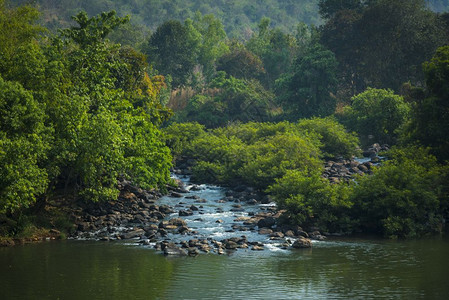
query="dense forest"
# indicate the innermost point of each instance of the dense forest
(239, 18)
(271, 98)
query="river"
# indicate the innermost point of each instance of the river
(337, 268)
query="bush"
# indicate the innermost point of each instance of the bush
(310, 200)
(406, 197)
(377, 112)
(335, 139)
(270, 158)
(178, 136)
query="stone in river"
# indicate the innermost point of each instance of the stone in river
(267, 222)
(302, 242)
(265, 231)
(257, 248)
(184, 213)
(173, 250)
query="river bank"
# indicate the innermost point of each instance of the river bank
(150, 218)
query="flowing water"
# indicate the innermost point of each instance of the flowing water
(343, 268)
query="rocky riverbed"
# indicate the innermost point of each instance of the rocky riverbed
(193, 219)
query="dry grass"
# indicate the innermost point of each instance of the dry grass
(179, 98)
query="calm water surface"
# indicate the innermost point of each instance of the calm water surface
(338, 269)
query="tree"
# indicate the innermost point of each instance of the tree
(406, 197)
(212, 42)
(172, 52)
(381, 43)
(307, 91)
(276, 49)
(376, 112)
(23, 147)
(241, 63)
(328, 8)
(430, 116)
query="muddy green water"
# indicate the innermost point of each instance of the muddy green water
(337, 269)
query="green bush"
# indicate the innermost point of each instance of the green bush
(406, 197)
(270, 158)
(377, 112)
(335, 139)
(178, 136)
(310, 200)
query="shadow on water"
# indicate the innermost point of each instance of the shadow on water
(335, 269)
(83, 270)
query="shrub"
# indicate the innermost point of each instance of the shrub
(406, 197)
(377, 112)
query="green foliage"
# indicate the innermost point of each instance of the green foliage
(376, 112)
(406, 197)
(211, 41)
(253, 153)
(173, 51)
(276, 49)
(240, 18)
(430, 121)
(310, 200)
(328, 8)
(178, 136)
(93, 30)
(307, 91)
(231, 100)
(335, 140)
(22, 148)
(241, 63)
(380, 43)
(270, 158)
(219, 158)
(76, 112)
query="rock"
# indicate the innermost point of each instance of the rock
(173, 250)
(289, 233)
(177, 222)
(257, 248)
(165, 209)
(201, 201)
(231, 245)
(6, 243)
(237, 209)
(316, 235)
(252, 202)
(302, 242)
(219, 221)
(265, 231)
(185, 213)
(267, 222)
(132, 234)
(277, 235)
(363, 168)
(183, 230)
(176, 195)
(192, 251)
(375, 159)
(194, 208)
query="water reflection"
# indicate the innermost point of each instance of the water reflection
(341, 269)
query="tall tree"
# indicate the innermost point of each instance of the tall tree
(430, 118)
(381, 43)
(172, 51)
(308, 90)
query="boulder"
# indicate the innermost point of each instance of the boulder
(185, 213)
(302, 242)
(267, 222)
(132, 234)
(173, 250)
(177, 222)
